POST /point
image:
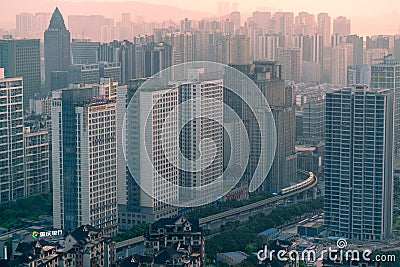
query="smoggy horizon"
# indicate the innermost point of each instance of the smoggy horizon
(363, 22)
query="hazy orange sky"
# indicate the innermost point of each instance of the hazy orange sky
(368, 17)
(336, 7)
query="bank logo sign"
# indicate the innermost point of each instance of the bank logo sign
(43, 234)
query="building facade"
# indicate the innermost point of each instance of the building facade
(57, 46)
(385, 73)
(314, 119)
(342, 57)
(85, 172)
(37, 160)
(149, 169)
(86, 246)
(24, 156)
(21, 58)
(30, 25)
(200, 117)
(83, 73)
(358, 74)
(359, 163)
(341, 26)
(324, 27)
(358, 48)
(166, 233)
(291, 59)
(110, 70)
(269, 78)
(84, 51)
(12, 176)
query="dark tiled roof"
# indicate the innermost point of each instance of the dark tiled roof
(166, 254)
(81, 234)
(135, 261)
(24, 247)
(161, 223)
(26, 258)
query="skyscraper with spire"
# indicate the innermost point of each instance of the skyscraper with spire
(57, 40)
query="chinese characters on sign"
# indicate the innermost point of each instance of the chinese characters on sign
(36, 234)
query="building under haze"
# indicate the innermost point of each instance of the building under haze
(21, 58)
(262, 19)
(123, 52)
(58, 79)
(385, 73)
(235, 17)
(305, 23)
(341, 26)
(57, 46)
(31, 25)
(283, 23)
(83, 73)
(239, 50)
(314, 119)
(396, 47)
(378, 41)
(153, 57)
(312, 47)
(358, 74)
(269, 78)
(83, 51)
(342, 58)
(110, 70)
(358, 48)
(374, 54)
(267, 75)
(95, 27)
(324, 27)
(290, 58)
(359, 163)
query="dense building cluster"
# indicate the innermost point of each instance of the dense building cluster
(82, 246)
(333, 96)
(174, 241)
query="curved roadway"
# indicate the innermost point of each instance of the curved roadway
(256, 204)
(231, 212)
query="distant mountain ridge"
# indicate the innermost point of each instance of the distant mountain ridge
(110, 9)
(389, 23)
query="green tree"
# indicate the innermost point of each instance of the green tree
(15, 212)
(135, 231)
(245, 237)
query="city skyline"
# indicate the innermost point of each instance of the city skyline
(363, 22)
(208, 135)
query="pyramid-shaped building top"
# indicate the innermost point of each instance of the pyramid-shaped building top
(57, 21)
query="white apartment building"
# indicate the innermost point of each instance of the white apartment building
(84, 161)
